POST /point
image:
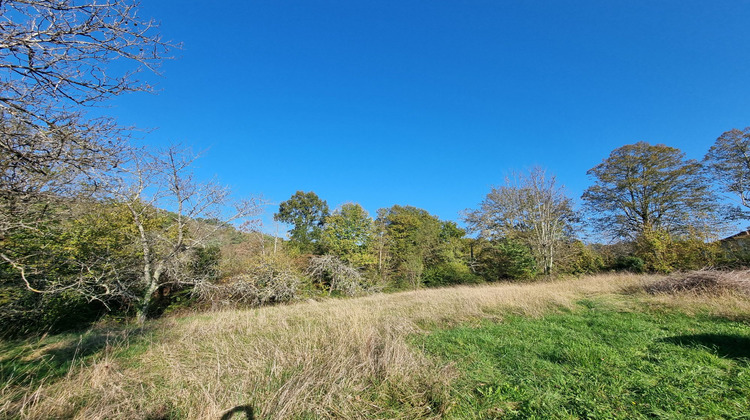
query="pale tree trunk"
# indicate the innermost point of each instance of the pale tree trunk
(146, 300)
(148, 279)
(152, 285)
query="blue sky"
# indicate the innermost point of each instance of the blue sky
(430, 103)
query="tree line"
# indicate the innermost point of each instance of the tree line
(91, 225)
(649, 209)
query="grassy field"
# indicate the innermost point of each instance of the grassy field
(600, 362)
(595, 347)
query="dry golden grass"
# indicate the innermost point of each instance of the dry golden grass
(332, 359)
(721, 293)
(704, 282)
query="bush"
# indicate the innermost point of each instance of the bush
(663, 253)
(449, 274)
(582, 259)
(629, 263)
(266, 284)
(696, 254)
(337, 276)
(24, 312)
(507, 259)
(656, 248)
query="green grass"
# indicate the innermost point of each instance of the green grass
(26, 362)
(599, 362)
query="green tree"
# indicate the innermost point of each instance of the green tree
(307, 212)
(413, 238)
(348, 234)
(641, 188)
(728, 160)
(505, 259)
(449, 263)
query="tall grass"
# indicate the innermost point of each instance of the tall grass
(334, 359)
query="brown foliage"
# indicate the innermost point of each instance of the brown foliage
(703, 282)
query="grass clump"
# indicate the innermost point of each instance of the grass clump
(598, 361)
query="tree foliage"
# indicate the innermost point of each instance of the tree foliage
(642, 187)
(348, 234)
(413, 237)
(505, 259)
(307, 213)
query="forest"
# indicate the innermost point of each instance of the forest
(92, 226)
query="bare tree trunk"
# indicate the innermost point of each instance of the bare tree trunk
(146, 301)
(275, 237)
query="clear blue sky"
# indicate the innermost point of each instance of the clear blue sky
(430, 103)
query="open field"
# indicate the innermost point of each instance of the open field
(405, 355)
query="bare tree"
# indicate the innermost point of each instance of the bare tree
(166, 206)
(530, 207)
(57, 58)
(55, 63)
(728, 160)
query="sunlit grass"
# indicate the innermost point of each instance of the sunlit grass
(348, 358)
(598, 362)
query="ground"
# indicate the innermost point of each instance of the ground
(599, 347)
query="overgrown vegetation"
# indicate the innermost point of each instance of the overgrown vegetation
(95, 231)
(463, 352)
(91, 225)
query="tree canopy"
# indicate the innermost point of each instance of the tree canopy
(348, 234)
(307, 212)
(640, 187)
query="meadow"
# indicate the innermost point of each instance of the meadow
(604, 346)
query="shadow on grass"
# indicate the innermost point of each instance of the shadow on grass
(30, 360)
(728, 346)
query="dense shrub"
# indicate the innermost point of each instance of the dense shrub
(24, 312)
(449, 274)
(629, 263)
(656, 249)
(582, 259)
(506, 259)
(695, 254)
(664, 253)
